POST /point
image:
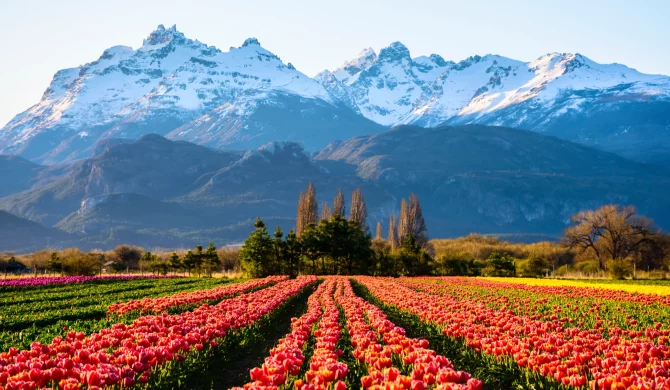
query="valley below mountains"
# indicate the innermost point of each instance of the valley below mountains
(157, 192)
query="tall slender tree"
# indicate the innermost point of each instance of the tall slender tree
(300, 217)
(308, 209)
(326, 211)
(378, 233)
(359, 212)
(393, 233)
(338, 204)
(403, 224)
(418, 228)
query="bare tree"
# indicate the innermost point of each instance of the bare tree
(338, 204)
(393, 233)
(412, 223)
(378, 234)
(611, 232)
(403, 224)
(326, 212)
(39, 260)
(300, 218)
(308, 209)
(359, 212)
(417, 228)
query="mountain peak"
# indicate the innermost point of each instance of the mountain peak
(162, 35)
(438, 60)
(396, 51)
(250, 41)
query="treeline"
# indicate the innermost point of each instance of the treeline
(331, 240)
(335, 238)
(124, 259)
(612, 241)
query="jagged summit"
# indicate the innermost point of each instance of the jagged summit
(247, 96)
(250, 41)
(396, 51)
(162, 35)
(165, 84)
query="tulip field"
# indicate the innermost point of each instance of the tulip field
(333, 332)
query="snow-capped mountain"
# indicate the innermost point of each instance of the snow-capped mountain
(384, 88)
(247, 96)
(165, 84)
(570, 96)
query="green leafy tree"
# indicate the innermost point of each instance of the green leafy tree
(499, 265)
(342, 246)
(534, 266)
(385, 261)
(87, 264)
(416, 260)
(257, 251)
(279, 249)
(211, 259)
(190, 261)
(199, 258)
(292, 253)
(175, 262)
(55, 263)
(153, 264)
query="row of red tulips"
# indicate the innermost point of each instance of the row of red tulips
(426, 368)
(324, 367)
(161, 304)
(124, 354)
(287, 357)
(570, 355)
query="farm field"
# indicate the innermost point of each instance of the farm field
(333, 332)
(659, 287)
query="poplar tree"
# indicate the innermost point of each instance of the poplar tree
(308, 210)
(326, 212)
(418, 228)
(338, 204)
(403, 224)
(412, 223)
(378, 234)
(393, 233)
(359, 212)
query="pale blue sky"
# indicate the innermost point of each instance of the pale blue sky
(40, 37)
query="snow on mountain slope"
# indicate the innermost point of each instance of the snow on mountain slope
(393, 88)
(569, 96)
(546, 80)
(247, 96)
(383, 88)
(459, 85)
(165, 83)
